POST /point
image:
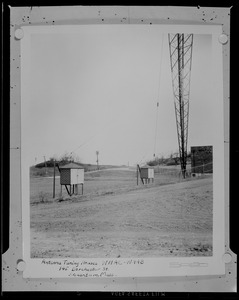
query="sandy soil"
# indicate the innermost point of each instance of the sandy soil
(147, 221)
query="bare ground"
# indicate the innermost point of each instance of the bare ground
(147, 221)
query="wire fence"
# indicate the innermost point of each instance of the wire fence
(192, 171)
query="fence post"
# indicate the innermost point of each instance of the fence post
(54, 179)
(137, 174)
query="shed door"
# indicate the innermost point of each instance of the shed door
(80, 176)
(74, 176)
(77, 176)
(151, 173)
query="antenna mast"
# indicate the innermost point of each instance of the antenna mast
(180, 47)
(97, 159)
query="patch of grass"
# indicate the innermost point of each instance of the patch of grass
(42, 197)
(107, 193)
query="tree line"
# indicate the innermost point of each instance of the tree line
(61, 161)
(172, 160)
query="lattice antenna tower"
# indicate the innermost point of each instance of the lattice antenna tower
(180, 47)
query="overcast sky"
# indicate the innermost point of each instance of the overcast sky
(98, 90)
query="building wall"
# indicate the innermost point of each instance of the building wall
(202, 159)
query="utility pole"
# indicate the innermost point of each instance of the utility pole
(54, 179)
(180, 47)
(137, 174)
(97, 159)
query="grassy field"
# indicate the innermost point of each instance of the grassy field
(117, 218)
(46, 172)
(104, 182)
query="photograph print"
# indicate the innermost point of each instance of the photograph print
(120, 141)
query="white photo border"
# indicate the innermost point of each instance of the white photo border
(132, 267)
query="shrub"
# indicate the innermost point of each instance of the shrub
(152, 163)
(171, 162)
(40, 173)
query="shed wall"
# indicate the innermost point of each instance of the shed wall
(65, 176)
(147, 173)
(144, 173)
(77, 176)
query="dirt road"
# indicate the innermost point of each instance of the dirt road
(168, 220)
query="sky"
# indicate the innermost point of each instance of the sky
(97, 90)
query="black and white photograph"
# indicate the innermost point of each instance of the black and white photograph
(119, 150)
(119, 131)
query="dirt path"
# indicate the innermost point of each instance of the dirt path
(173, 219)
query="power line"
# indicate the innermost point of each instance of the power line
(157, 110)
(156, 126)
(95, 135)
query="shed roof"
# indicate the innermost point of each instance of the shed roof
(146, 167)
(71, 166)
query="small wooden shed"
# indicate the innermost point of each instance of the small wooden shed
(72, 175)
(147, 173)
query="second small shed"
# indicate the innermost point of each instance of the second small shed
(147, 173)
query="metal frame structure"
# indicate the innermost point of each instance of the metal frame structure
(180, 47)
